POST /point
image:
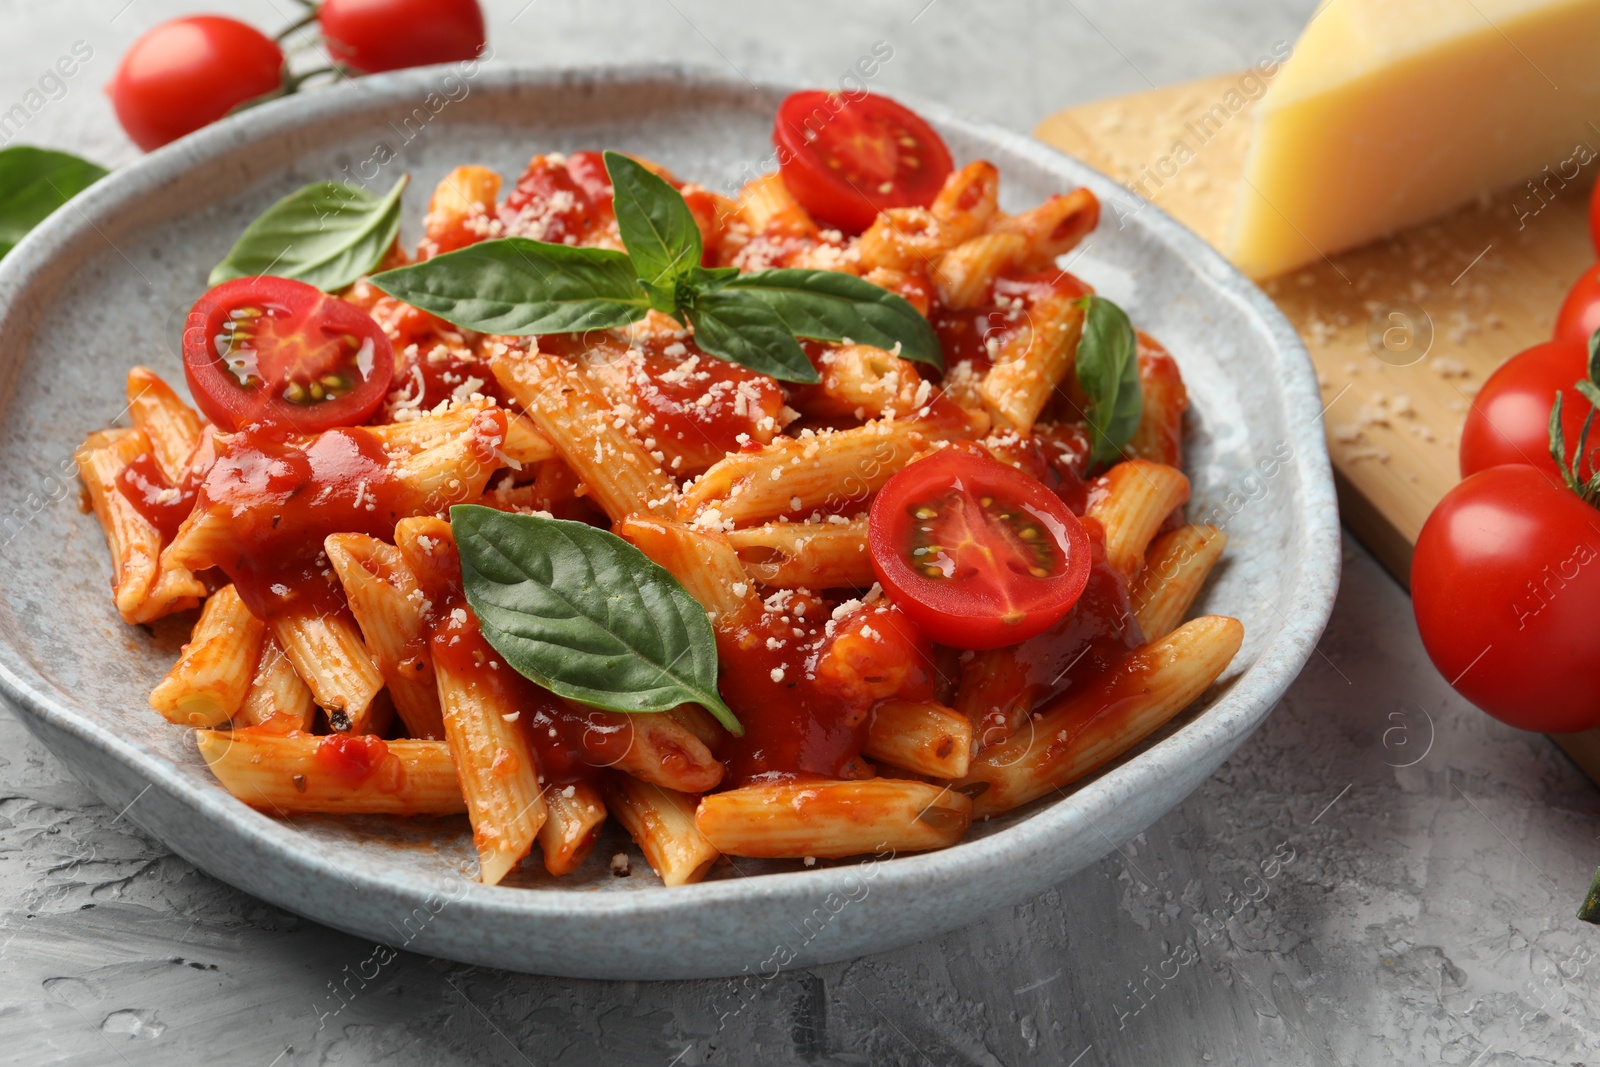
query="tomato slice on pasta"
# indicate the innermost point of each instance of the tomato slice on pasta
(278, 351)
(846, 156)
(977, 553)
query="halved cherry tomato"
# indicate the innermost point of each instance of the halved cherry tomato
(977, 553)
(1579, 316)
(1594, 219)
(846, 157)
(1504, 582)
(282, 352)
(1509, 421)
(189, 72)
(375, 35)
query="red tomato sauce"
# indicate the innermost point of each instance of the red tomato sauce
(282, 497)
(550, 204)
(436, 373)
(698, 405)
(162, 504)
(977, 333)
(350, 758)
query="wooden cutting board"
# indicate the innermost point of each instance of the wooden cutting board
(1403, 332)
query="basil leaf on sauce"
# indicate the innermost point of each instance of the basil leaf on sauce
(586, 615)
(33, 183)
(656, 225)
(325, 234)
(520, 287)
(826, 305)
(731, 325)
(1108, 372)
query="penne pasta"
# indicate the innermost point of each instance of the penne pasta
(1176, 566)
(815, 555)
(660, 750)
(1132, 500)
(329, 655)
(214, 671)
(456, 469)
(1159, 436)
(968, 201)
(1091, 725)
(767, 207)
(965, 274)
(920, 736)
(865, 382)
(622, 477)
(170, 425)
(902, 239)
(662, 823)
(1031, 364)
(575, 813)
(299, 773)
(523, 445)
(498, 771)
(387, 604)
(824, 819)
(278, 700)
(460, 195)
(704, 562)
(1054, 228)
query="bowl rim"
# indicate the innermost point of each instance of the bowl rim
(1222, 726)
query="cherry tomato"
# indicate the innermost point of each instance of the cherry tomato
(1509, 421)
(1594, 218)
(282, 352)
(977, 553)
(189, 72)
(1504, 582)
(847, 157)
(374, 35)
(1579, 316)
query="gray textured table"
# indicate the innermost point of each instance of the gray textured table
(1381, 875)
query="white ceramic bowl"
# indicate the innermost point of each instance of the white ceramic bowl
(104, 284)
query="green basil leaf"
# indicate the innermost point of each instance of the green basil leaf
(1108, 372)
(325, 234)
(585, 614)
(829, 306)
(519, 287)
(657, 227)
(33, 183)
(732, 325)
(708, 278)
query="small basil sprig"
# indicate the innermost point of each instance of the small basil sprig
(1572, 471)
(1108, 372)
(586, 615)
(33, 183)
(325, 234)
(521, 287)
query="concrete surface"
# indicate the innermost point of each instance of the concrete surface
(1382, 875)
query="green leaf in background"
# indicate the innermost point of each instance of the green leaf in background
(656, 225)
(1108, 372)
(33, 183)
(826, 305)
(586, 615)
(734, 326)
(325, 234)
(520, 287)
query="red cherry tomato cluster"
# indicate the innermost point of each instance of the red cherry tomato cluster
(1506, 571)
(191, 71)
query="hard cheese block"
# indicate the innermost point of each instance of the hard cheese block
(1390, 113)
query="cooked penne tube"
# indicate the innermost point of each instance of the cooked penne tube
(1159, 436)
(996, 693)
(145, 587)
(523, 444)
(1031, 364)
(1094, 723)
(464, 192)
(278, 700)
(575, 813)
(865, 382)
(903, 239)
(172, 427)
(816, 555)
(458, 468)
(662, 823)
(1055, 227)
(704, 562)
(499, 774)
(337, 774)
(660, 750)
(968, 201)
(214, 671)
(1132, 500)
(965, 274)
(824, 818)
(830, 470)
(1175, 568)
(387, 603)
(622, 477)
(920, 736)
(329, 655)
(767, 206)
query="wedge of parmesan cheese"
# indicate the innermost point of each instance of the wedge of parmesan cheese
(1390, 112)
